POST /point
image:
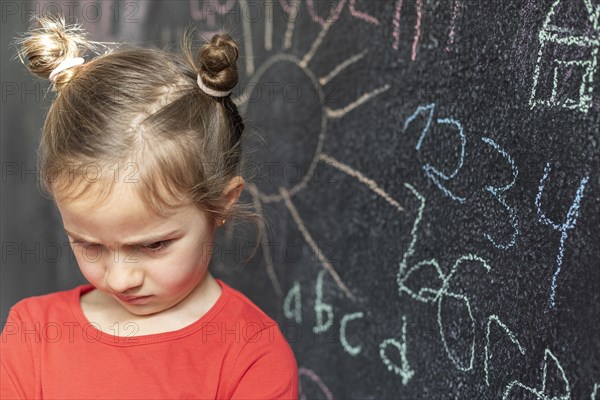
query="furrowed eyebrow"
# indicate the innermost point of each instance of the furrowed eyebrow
(143, 242)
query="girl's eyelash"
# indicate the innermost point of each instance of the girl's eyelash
(86, 244)
(164, 244)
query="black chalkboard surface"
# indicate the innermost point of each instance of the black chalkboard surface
(429, 175)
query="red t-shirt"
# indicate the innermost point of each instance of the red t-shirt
(235, 351)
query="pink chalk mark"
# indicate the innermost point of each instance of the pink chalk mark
(330, 18)
(417, 30)
(396, 23)
(453, 25)
(315, 378)
(361, 15)
(209, 10)
(287, 6)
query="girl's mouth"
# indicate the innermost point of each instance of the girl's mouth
(135, 300)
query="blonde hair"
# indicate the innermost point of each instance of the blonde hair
(139, 108)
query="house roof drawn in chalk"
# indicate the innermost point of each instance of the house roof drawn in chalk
(567, 59)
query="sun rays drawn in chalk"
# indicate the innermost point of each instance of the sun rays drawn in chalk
(322, 115)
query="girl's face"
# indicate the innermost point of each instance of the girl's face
(125, 250)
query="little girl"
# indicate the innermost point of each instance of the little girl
(141, 153)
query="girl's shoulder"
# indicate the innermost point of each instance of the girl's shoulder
(241, 308)
(50, 305)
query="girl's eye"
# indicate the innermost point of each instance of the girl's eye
(85, 244)
(157, 246)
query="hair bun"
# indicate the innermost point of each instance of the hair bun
(218, 68)
(43, 48)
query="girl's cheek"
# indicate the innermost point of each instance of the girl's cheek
(89, 262)
(87, 254)
(92, 271)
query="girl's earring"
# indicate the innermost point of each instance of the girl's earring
(223, 222)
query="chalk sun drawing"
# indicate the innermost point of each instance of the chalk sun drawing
(279, 193)
(552, 76)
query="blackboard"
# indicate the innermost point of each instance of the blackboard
(429, 176)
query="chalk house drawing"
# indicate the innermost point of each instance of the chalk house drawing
(308, 134)
(567, 58)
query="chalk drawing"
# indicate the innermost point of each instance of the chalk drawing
(362, 99)
(441, 294)
(540, 394)
(396, 24)
(293, 295)
(268, 25)
(433, 173)
(321, 307)
(430, 295)
(264, 243)
(417, 38)
(451, 355)
(595, 391)
(352, 60)
(551, 37)
(352, 350)
(332, 16)
(404, 370)
(452, 33)
(208, 13)
(418, 10)
(104, 21)
(497, 194)
(285, 195)
(335, 12)
(302, 371)
(361, 15)
(568, 224)
(312, 244)
(369, 183)
(291, 9)
(400, 277)
(511, 336)
(247, 37)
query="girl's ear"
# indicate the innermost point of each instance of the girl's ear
(232, 191)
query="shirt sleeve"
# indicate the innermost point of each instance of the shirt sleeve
(267, 367)
(17, 371)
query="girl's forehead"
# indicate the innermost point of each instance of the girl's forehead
(114, 199)
(124, 216)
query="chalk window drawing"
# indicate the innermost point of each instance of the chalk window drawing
(567, 59)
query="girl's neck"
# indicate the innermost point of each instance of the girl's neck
(105, 311)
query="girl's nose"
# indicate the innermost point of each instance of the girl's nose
(122, 274)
